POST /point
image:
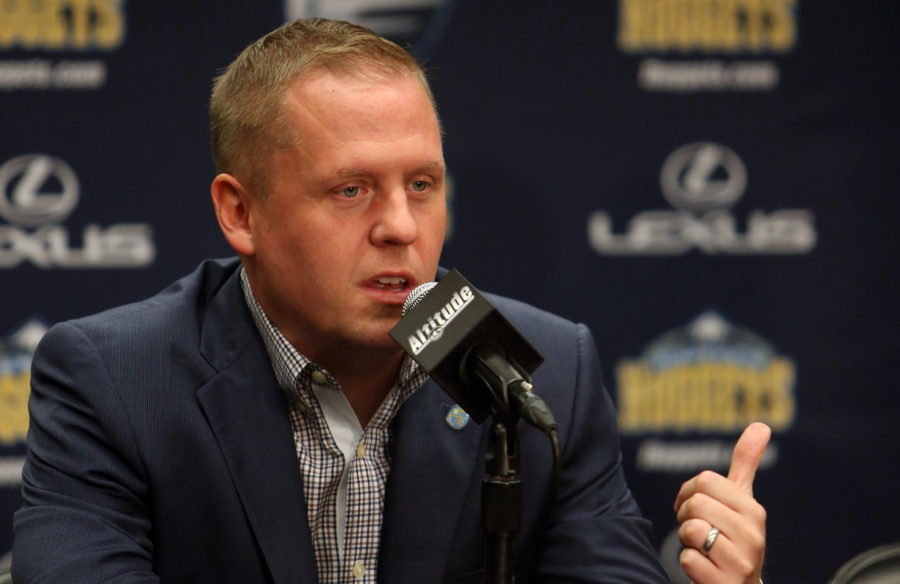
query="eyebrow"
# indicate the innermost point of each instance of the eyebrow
(430, 166)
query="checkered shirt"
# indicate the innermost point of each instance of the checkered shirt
(322, 463)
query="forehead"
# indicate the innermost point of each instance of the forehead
(360, 103)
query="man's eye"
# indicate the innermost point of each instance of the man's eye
(350, 192)
(419, 186)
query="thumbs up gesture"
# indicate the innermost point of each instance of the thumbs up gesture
(723, 528)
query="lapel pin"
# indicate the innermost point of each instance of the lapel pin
(457, 418)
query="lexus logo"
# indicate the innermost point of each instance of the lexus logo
(703, 177)
(36, 189)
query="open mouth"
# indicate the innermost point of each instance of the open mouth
(391, 284)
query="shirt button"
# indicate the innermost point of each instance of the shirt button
(359, 570)
(319, 377)
(360, 450)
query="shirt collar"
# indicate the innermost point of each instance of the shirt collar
(290, 364)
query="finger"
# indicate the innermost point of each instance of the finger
(683, 493)
(699, 568)
(720, 564)
(748, 453)
(692, 486)
(745, 460)
(745, 521)
(693, 532)
(717, 513)
(712, 484)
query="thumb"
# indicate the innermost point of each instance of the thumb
(747, 454)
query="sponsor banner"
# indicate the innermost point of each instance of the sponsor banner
(37, 194)
(418, 24)
(67, 29)
(16, 351)
(709, 45)
(708, 377)
(703, 181)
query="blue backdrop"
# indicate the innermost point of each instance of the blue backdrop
(710, 185)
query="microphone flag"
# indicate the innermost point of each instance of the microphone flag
(443, 323)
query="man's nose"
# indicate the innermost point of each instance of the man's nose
(395, 222)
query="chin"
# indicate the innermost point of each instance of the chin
(368, 338)
(384, 342)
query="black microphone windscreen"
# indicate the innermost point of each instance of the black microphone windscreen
(416, 296)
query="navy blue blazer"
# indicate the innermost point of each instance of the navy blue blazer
(160, 450)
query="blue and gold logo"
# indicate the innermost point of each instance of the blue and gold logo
(704, 35)
(75, 25)
(457, 418)
(16, 352)
(709, 376)
(749, 26)
(55, 34)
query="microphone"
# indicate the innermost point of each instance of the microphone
(469, 348)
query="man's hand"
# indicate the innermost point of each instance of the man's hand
(709, 500)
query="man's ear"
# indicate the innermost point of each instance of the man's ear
(232, 205)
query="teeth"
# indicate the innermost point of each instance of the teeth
(384, 280)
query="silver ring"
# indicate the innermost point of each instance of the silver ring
(710, 540)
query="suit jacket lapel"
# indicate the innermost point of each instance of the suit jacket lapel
(248, 414)
(434, 469)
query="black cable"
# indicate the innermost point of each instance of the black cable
(553, 434)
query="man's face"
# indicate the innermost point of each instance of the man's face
(355, 215)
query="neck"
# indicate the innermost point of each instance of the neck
(366, 380)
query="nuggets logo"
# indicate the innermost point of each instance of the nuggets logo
(73, 26)
(15, 364)
(695, 28)
(707, 25)
(709, 376)
(62, 24)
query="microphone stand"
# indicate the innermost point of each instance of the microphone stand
(501, 499)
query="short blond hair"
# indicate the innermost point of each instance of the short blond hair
(246, 113)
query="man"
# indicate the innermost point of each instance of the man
(256, 423)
